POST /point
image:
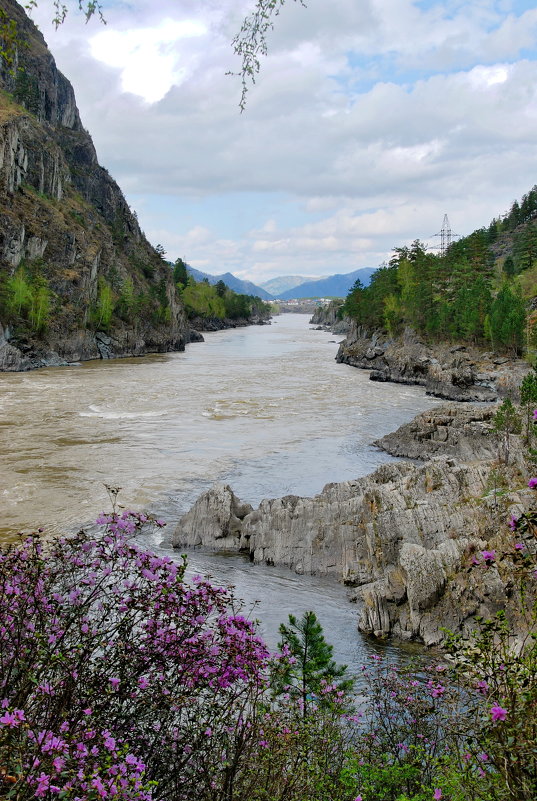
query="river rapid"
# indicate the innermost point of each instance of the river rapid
(264, 408)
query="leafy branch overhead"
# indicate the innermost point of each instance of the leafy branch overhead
(88, 8)
(251, 41)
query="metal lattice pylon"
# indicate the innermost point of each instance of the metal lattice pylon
(446, 235)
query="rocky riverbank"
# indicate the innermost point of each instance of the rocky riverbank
(199, 324)
(402, 537)
(78, 278)
(326, 318)
(457, 373)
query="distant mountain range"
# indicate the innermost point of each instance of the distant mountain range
(236, 284)
(333, 286)
(284, 282)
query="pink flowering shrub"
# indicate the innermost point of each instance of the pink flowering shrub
(120, 681)
(407, 745)
(115, 673)
(499, 660)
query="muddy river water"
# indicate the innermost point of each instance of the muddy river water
(264, 408)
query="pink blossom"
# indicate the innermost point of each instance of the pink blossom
(437, 795)
(532, 483)
(498, 712)
(489, 556)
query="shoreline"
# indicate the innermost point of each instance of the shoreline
(87, 346)
(401, 537)
(445, 370)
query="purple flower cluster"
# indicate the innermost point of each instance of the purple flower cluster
(113, 669)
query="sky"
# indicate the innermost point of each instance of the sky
(369, 120)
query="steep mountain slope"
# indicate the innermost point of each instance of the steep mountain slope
(236, 284)
(334, 286)
(78, 279)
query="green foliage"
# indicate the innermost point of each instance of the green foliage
(237, 306)
(506, 422)
(309, 668)
(103, 309)
(250, 44)
(457, 296)
(525, 248)
(39, 311)
(180, 274)
(19, 292)
(88, 7)
(201, 300)
(28, 298)
(509, 267)
(221, 288)
(508, 320)
(505, 671)
(126, 306)
(528, 400)
(26, 91)
(440, 297)
(9, 40)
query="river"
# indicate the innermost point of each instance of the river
(264, 408)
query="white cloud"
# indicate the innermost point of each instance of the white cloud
(369, 121)
(149, 58)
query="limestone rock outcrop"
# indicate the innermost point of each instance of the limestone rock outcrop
(327, 318)
(457, 373)
(465, 432)
(401, 537)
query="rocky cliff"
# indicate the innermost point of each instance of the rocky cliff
(78, 279)
(456, 373)
(326, 317)
(403, 537)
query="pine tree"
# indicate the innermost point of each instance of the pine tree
(310, 663)
(528, 399)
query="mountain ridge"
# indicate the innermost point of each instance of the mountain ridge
(337, 285)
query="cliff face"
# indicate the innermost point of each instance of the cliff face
(457, 373)
(326, 317)
(403, 536)
(78, 279)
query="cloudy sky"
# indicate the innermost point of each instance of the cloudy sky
(370, 120)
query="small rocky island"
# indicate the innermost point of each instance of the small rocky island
(403, 537)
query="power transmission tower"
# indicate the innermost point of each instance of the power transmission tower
(446, 235)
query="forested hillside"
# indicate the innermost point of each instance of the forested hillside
(478, 292)
(204, 301)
